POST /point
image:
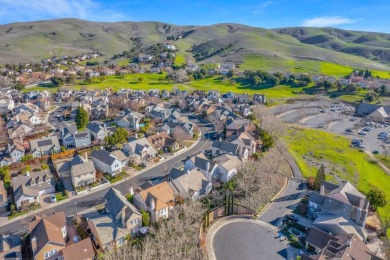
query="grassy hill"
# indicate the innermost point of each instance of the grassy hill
(370, 45)
(254, 48)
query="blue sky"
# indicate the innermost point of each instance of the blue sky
(347, 14)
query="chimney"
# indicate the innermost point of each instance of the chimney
(188, 171)
(152, 206)
(207, 166)
(322, 189)
(131, 190)
(136, 135)
(86, 156)
(105, 127)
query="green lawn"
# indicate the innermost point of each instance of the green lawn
(180, 59)
(310, 148)
(277, 63)
(150, 81)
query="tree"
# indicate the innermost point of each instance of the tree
(145, 218)
(57, 81)
(45, 167)
(118, 137)
(320, 177)
(274, 81)
(256, 80)
(82, 118)
(230, 74)
(376, 198)
(267, 139)
(19, 86)
(179, 134)
(350, 88)
(140, 79)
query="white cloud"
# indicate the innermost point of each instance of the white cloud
(326, 21)
(261, 7)
(25, 10)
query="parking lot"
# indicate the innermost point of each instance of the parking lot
(339, 119)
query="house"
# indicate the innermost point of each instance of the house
(340, 200)
(48, 234)
(82, 250)
(219, 148)
(227, 66)
(29, 107)
(243, 140)
(144, 58)
(6, 105)
(115, 222)
(191, 185)
(3, 198)
(128, 119)
(21, 129)
(99, 112)
(10, 247)
(16, 151)
(227, 167)
(82, 171)
(158, 200)
(28, 188)
(379, 112)
(340, 209)
(139, 150)
(259, 99)
(213, 95)
(121, 157)
(243, 98)
(343, 247)
(105, 162)
(71, 137)
(45, 146)
(24, 116)
(201, 163)
(163, 141)
(99, 131)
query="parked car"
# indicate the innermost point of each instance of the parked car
(362, 133)
(292, 217)
(375, 152)
(53, 198)
(348, 130)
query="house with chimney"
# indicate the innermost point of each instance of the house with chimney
(158, 200)
(116, 221)
(99, 130)
(340, 209)
(202, 164)
(48, 234)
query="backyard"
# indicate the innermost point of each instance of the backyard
(311, 148)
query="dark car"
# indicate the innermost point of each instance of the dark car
(292, 217)
(348, 130)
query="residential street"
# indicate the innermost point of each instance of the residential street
(78, 204)
(294, 190)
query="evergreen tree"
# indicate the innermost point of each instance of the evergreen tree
(320, 177)
(82, 118)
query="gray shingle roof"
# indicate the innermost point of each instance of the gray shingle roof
(103, 156)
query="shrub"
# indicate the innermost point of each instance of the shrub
(145, 218)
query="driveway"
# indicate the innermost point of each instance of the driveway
(247, 239)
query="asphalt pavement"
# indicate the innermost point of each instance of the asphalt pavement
(78, 204)
(246, 240)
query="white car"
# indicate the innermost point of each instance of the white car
(53, 198)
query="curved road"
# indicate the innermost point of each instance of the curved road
(84, 202)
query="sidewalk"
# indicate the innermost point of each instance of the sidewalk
(4, 223)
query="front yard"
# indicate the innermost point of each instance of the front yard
(115, 178)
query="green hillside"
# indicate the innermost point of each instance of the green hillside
(370, 45)
(247, 46)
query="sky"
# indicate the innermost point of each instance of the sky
(346, 14)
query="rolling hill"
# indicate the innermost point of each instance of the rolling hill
(370, 45)
(282, 48)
